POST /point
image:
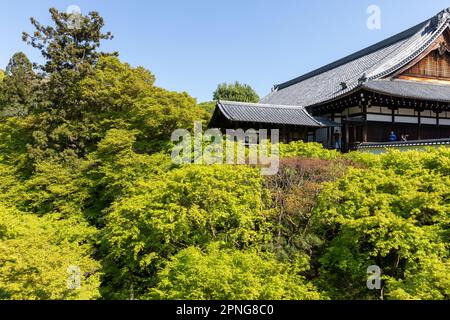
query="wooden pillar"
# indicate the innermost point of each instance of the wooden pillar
(365, 132)
(364, 129)
(347, 137)
(328, 137)
(393, 119)
(259, 132)
(332, 142)
(438, 124)
(419, 126)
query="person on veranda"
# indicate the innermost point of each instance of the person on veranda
(393, 137)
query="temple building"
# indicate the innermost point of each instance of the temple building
(399, 85)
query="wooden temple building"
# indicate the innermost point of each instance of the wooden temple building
(401, 84)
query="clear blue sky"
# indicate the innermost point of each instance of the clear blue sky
(192, 45)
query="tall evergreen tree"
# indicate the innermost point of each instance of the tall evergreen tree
(70, 49)
(18, 88)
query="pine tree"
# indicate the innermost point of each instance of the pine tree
(19, 86)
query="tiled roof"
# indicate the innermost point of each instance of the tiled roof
(411, 89)
(266, 113)
(351, 73)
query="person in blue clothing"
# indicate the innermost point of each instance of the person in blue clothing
(393, 137)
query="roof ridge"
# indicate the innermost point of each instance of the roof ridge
(370, 49)
(264, 105)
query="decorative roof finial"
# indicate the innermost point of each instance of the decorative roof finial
(440, 18)
(363, 79)
(444, 16)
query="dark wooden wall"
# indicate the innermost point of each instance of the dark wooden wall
(434, 65)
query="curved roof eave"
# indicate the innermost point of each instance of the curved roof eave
(325, 84)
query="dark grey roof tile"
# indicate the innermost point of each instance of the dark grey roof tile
(267, 113)
(411, 89)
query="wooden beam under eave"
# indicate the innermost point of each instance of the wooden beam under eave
(393, 118)
(364, 128)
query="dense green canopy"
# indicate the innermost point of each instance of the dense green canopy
(235, 92)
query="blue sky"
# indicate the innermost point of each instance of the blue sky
(194, 45)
